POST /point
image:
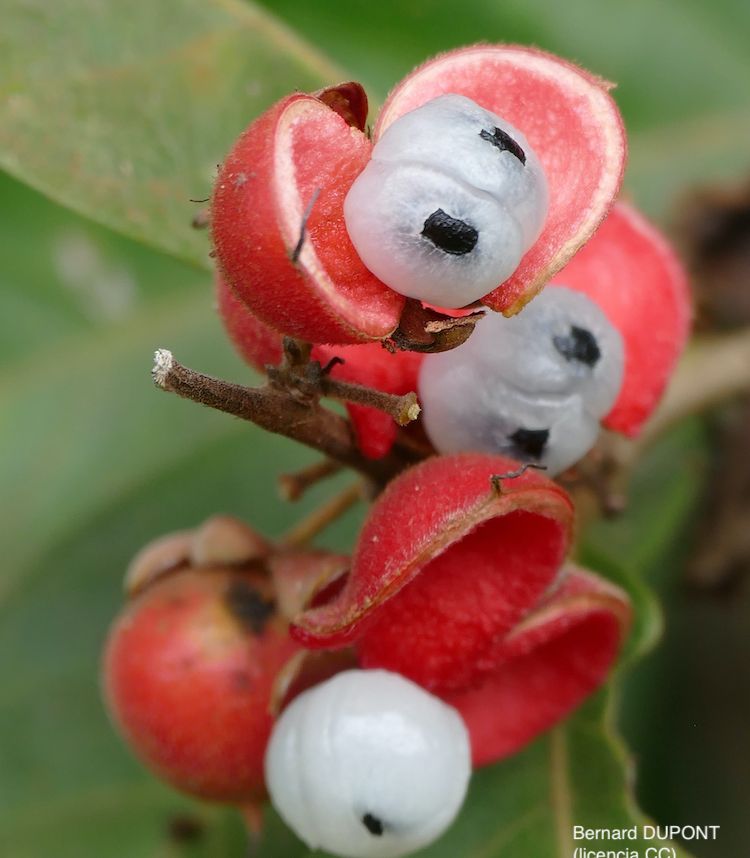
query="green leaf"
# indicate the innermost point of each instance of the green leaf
(62, 278)
(122, 111)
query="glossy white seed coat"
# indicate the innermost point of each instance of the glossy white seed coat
(436, 158)
(368, 744)
(511, 375)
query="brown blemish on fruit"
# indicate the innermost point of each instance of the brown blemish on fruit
(240, 680)
(248, 606)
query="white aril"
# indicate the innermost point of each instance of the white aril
(451, 199)
(368, 764)
(533, 386)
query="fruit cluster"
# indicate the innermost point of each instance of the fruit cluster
(359, 691)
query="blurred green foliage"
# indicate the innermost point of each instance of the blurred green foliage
(120, 112)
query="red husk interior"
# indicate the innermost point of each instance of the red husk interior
(300, 147)
(439, 629)
(547, 666)
(631, 272)
(368, 364)
(430, 509)
(571, 123)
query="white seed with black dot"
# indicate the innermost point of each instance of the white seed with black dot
(534, 386)
(368, 765)
(452, 198)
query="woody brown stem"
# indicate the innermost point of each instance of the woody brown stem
(319, 519)
(276, 407)
(403, 409)
(309, 379)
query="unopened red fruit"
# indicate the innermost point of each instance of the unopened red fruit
(188, 675)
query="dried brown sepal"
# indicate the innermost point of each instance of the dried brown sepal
(349, 100)
(158, 558)
(428, 331)
(223, 540)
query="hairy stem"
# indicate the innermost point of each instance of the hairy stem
(403, 409)
(280, 409)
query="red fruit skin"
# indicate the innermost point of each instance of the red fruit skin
(571, 123)
(546, 666)
(444, 505)
(300, 150)
(311, 148)
(464, 591)
(631, 272)
(368, 364)
(189, 682)
(439, 630)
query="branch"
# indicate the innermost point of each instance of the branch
(277, 409)
(713, 369)
(319, 519)
(403, 409)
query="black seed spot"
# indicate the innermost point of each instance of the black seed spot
(248, 605)
(504, 142)
(450, 234)
(580, 345)
(373, 825)
(530, 442)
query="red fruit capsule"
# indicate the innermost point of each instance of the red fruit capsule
(278, 225)
(632, 273)
(189, 670)
(510, 536)
(456, 583)
(552, 660)
(277, 215)
(568, 118)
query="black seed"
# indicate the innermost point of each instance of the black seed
(504, 142)
(530, 442)
(248, 606)
(373, 824)
(450, 234)
(580, 345)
